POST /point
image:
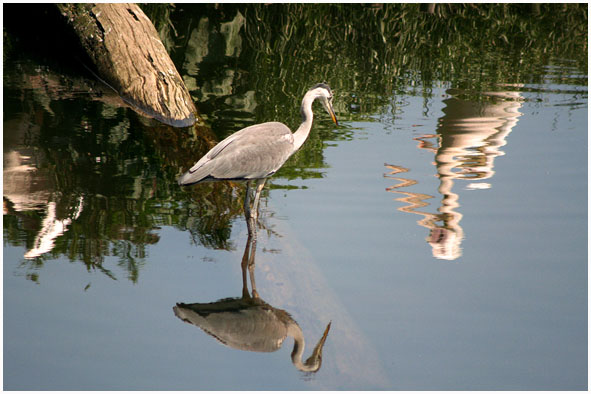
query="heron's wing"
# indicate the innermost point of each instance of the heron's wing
(253, 152)
(238, 324)
(218, 148)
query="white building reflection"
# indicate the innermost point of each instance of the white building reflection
(469, 138)
(27, 186)
(51, 228)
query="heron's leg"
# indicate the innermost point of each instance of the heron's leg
(257, 195)
(250, 223)
(253, 249)
(252, 216)
(247, 201)
(249, 262)
(245, 264)
(248, 259)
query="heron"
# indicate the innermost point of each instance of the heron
(256, 152)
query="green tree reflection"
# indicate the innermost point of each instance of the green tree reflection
(244, 64)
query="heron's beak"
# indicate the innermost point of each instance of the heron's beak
(316, 358)
(330, 110)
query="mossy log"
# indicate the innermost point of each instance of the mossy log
(127, 52)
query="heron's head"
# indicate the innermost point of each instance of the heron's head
(313, 363)
(322, 91)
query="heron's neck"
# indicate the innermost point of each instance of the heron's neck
(301, 134)
(298, 347)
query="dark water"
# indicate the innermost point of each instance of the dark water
(441, 228)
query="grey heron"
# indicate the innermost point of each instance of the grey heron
(257, 152)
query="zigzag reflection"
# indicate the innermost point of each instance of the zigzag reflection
(414, 200)
(445, 232)
(470, 136)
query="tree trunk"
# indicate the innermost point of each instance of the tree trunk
(130, 58)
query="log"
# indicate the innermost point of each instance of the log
(128, 55)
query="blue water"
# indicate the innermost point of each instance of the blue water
(503, 306)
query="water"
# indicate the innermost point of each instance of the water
(441, 228)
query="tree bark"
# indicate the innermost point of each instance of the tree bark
(129, 57)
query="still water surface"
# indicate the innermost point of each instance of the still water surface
(443, 235)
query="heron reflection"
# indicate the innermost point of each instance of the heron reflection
(249, 323)
(470, 136)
